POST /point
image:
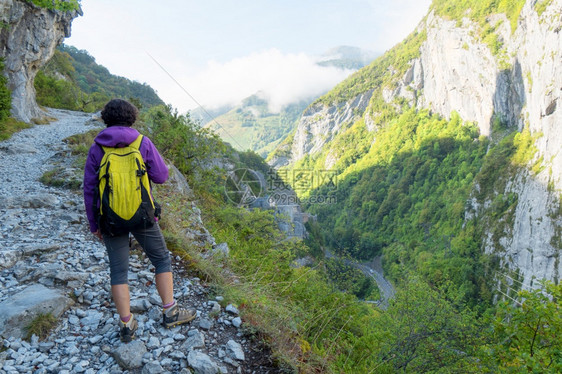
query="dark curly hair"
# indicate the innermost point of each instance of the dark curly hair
(118, 112)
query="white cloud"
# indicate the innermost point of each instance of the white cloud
(125, 29)
(282, 78)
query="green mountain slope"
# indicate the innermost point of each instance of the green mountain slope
(73, 80)
(252, 126)
(407, 181)
(405, 198)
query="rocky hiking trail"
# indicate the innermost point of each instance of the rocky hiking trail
(50, 263)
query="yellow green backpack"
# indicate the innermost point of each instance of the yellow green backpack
(124, 190)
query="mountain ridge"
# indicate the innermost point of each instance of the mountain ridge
(253, 125)
(73, 80)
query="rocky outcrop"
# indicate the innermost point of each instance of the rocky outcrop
(28, 39)
(290, 220)
(321, 123)
(17, 311)
(533, 248)
(459, 73)
(456, 71)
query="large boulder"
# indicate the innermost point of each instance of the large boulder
(202, 363)
(19, 310)
(129, 356)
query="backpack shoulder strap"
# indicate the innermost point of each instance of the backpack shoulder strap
(137, 143)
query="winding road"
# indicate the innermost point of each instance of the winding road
(374, 270)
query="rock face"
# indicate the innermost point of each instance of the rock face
(521, 86)
(460, 73)
(320, 123)
(27, 42)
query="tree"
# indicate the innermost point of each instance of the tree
(422, 332)
(527, 333)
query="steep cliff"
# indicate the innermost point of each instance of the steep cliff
(502, 72)
(519, 86)
(28, 38)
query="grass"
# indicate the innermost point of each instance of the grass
(267, 318)
(270, 325)
(10, 126)
(43, 120)
(58, 178)
(80, 145)
(40, 326)
(73, 296)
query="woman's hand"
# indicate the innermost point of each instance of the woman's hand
(98, 235)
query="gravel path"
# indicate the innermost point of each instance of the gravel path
(49, 262)
(25, 156)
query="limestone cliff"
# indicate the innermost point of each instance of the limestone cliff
(319, 124)
(28, 38)
(519, 86)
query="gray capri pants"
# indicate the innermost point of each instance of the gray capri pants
(151, 241)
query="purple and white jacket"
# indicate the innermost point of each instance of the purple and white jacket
(117, 137)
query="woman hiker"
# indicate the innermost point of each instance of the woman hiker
(119, 116)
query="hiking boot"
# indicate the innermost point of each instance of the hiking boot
(175, 315)
(127, 330)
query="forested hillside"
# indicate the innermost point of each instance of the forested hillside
(251, 126)
(72, 79)
(418, 184)
(443, 162)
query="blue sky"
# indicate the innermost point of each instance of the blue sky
(223, 51)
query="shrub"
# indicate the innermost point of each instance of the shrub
(64, 5)
(5, 95)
